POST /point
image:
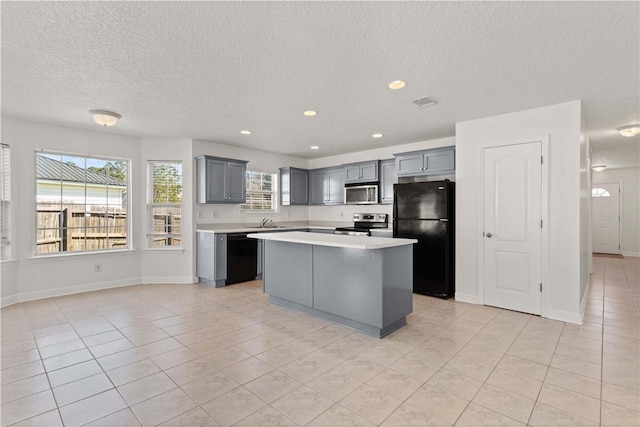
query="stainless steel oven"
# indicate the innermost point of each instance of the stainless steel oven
(361, 194)
(363, 223)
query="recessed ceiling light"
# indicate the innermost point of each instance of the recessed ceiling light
(314, 147)
(310, 113)
(245, 132)
(377, 135)
(397, 84)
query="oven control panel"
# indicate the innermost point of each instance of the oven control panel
(369, 217)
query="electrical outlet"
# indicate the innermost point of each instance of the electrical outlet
(341, 213)
(216, 214)
(98, 268)
(200, 214)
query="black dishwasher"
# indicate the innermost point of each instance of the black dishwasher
(242, 258)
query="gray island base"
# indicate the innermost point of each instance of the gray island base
(362, 282)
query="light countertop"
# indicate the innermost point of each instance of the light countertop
(335, 240)
(282, 226)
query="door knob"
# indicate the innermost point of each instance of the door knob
(489, 235)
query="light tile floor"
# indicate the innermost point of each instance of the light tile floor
(196, 356)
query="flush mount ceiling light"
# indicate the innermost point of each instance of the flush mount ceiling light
(629, 131)
(397, 84)
(598, 168)
(377, 135)
(310, 113)
(245, 132)
(105, 118)
(314, 147)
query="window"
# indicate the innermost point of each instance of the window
(81, 203)
(599, 192)
(164, 196)
(261, 192)
(5, 202)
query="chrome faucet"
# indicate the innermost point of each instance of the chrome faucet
(266, 222)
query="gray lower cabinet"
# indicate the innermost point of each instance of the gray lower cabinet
(294, 186)
(220, 180)
(211, 258)
(370, 290)
(388, 177)
(427, 162)
(361, 172)
(326, 186)
(296, 261)
(260, 259)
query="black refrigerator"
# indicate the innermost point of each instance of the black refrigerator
(426, 211)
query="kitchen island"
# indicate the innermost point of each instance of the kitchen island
(359, 281)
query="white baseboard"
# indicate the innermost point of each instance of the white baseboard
(11, 299)
(634, 254)
(70, 290)
(162, 280)
(470, 298)
(565, 316)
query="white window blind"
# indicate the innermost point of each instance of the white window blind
(5, 201)
(82, 203)
(164, 201)
(261, 192)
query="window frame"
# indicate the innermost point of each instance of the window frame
(127, 192)
(274, 195)
(598, 194)
(5, 203)
(149, 235)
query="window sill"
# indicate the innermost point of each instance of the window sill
(159, 250)
(77, 254)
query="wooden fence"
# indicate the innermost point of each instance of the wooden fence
(72, 229)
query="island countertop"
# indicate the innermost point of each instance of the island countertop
(334, 240)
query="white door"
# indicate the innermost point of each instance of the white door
(512, 227)
(605, 208)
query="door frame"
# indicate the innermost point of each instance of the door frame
(544, 206)
(620, 213)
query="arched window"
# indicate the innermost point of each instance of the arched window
(599, 192)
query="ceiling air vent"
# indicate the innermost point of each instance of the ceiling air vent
(425, 101)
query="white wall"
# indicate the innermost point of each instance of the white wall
(585, 213)
(629, 180)
(169, 265)
(259, 161)
(561, 124)
(30, 277)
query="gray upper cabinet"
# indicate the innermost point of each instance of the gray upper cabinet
(294, 186)
(388, 177)
(220, 180)
(326, 186)
(427, 162)
(361, 172)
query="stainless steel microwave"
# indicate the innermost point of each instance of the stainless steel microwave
(361, 194)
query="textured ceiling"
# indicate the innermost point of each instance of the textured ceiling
(207, 70)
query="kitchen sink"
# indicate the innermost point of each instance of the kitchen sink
(270, 226)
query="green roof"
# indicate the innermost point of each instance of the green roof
(54, 170)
